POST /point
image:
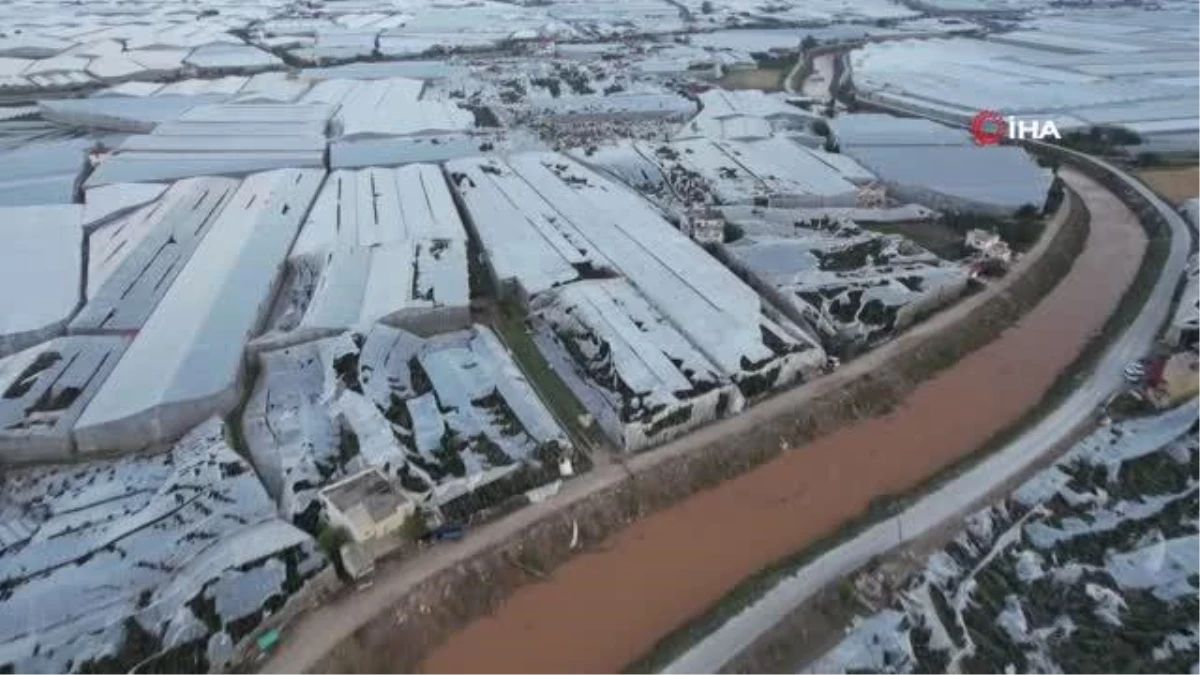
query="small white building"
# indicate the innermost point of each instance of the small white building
(357, 560)
(367, 504)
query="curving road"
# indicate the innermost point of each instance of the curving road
(952, 500)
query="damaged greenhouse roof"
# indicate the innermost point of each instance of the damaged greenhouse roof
(132, 263)
(640, 378)
(856, 287)
(184, 545)
(542, 217)
(379, 205)
(776, 170)
(378, 244)
(45, 389)
(439, 414)
(197, 332)
(1118, 554)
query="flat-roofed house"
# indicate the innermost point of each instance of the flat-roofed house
(367, 504)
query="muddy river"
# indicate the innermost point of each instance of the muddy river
(604, 609)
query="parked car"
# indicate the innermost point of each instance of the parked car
(446, 532)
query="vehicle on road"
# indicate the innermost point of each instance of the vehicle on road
(446, 532)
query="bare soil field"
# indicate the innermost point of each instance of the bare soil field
(1175, 185)
(598, 612)
(767, 79)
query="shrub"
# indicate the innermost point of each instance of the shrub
(414, 527)
(331, 539)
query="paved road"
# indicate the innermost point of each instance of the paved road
(950, 501)
(309, 638)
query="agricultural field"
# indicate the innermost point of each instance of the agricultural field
(766, 79)
(1090, 566)
(1177, 184)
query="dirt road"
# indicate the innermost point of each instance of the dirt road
(600, 611)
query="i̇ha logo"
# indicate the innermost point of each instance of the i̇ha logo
(991, 128)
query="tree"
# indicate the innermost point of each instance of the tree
(331, 539)
(808, 43)
(1027, 212)
(1054, 196)
(1021, 233)
(706, 7)
(1148, 159)
(414, 527)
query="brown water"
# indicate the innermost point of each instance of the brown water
(602, 610)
